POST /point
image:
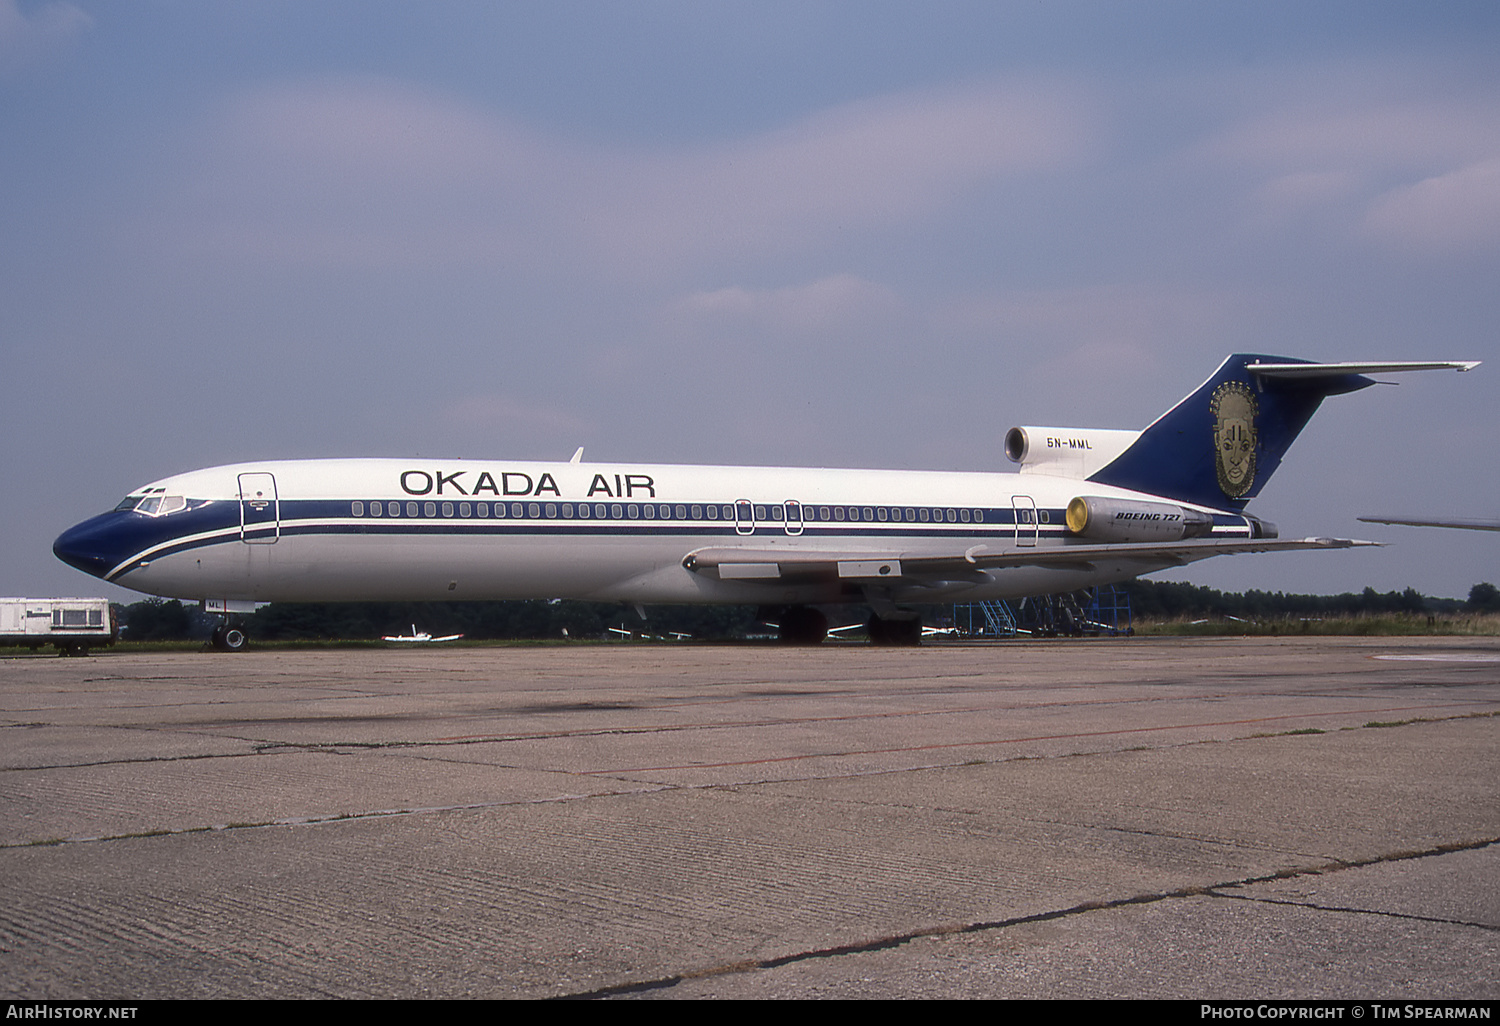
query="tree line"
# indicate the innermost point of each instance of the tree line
(169, 619)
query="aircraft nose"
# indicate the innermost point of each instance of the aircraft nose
(91, 546)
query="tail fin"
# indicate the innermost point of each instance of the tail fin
(1222, 443)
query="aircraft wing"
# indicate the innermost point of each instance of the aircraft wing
(865, 567)
(1462, 523)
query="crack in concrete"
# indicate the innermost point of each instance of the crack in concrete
(1360, 911)
(898, 940)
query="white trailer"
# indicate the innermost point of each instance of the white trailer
(74, 625)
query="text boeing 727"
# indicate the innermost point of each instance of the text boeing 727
(1088, 507)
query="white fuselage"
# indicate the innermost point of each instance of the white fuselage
(378, 529)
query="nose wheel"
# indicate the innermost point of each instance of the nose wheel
(229, 639)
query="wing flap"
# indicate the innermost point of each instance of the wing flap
(783, 565)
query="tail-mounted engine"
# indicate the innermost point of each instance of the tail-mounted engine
(1065, 452)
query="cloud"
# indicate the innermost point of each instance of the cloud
(1364, 133)
(24, 40)
(371, 172)
(1417, 173)
(1129, 321)
(1291, 194)
(1459, 210)
(836, 304)
(874, 163)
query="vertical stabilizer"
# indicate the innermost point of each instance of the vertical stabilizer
(1222, 443)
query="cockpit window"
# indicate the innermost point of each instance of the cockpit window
(153, 505)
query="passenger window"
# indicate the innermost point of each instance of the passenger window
(515, 510)
(481, 509)
(411, 509)
(649, 510)
(599, 513)
(681, 512)
(869, 513)
(533, 510)
(615, 511)
(551, 511)
(429, 509)
(376, 509)
(464, 509)
(447, 509)
(633, 511)
(567, 511)
(697, 512)
(357, 508)
(882, 513)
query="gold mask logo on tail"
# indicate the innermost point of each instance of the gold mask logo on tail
(1234, 408)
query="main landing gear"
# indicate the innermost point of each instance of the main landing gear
(228, 638)
(803, 625)
(892, 633)
(890, 626)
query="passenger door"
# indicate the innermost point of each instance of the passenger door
(1024, 507)
(260, 510)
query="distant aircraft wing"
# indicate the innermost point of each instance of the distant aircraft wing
(1462, 523)
(866, 567)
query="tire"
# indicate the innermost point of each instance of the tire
(803, 625)
(229, 639)
(895, 633)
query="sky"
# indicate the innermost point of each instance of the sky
(866, 234)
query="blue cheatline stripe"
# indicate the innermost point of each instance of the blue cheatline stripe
(217, 523)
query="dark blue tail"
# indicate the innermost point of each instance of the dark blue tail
(1222, 443)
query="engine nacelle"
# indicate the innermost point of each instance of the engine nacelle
(1065, 452)
(1122, 520)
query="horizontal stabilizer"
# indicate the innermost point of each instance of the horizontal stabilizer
(1334, 370)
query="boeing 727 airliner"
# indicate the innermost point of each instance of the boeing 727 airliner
(1088, 507)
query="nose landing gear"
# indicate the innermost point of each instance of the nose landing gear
(227, 638)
